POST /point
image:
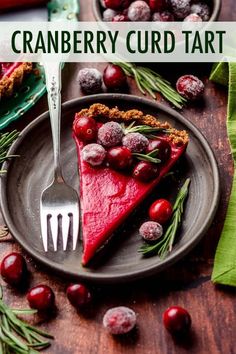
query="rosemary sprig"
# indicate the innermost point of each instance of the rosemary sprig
(150, 157)
(143, 129)
(6, 140)
(16, 335)
(148, 81)
(162, 247)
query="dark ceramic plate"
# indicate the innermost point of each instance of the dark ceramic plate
(28, 175)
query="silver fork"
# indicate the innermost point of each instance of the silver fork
(59, 205)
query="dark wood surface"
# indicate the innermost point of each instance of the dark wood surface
(187, 283)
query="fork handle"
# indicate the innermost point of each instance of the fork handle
(53, 84)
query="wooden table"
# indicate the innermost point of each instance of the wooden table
(187, 283)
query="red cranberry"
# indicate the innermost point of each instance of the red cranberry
(164, 149)
(119, 157)
(190, 87)
(114, 77)
(157, 5)
(117, 4)
(14, 269)
(139, 11)
(119, 320)
(41, 297)
(78, 295)
(120, 18)
(151, 231)
(85, 128)
(164, 16)
(145, 171)
(177, 320)
(160, 211)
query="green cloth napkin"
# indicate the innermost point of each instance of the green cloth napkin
(224, 271)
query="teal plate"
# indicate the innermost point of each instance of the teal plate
(33, 86)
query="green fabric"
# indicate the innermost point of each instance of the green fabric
(224, 271)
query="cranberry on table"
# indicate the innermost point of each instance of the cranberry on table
(190, 87)
(151, 231)
(164, 16)
(136, 142)
(139, 11)
(157, 5)
(119, 157)
(160, 211)
(119, 320)
(94, 154)
(110, 134)
(180, 8)
(41, 297)
(202, 10)
(14, 269)
(177, 320)
(120, 18)
(145, 171)
(78, 295)
(85, 128)
(164, 149)
(90, 80)
(114, 77)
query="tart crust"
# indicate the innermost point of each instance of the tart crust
(9, 83)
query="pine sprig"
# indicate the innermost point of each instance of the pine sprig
(162, 247)
(143, 129)
(150, 157)
(6, 140)
(148, 81)
(16, 335)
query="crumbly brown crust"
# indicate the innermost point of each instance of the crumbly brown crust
(8, 84)
(99, 110)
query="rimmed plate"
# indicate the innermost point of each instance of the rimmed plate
(28, 175)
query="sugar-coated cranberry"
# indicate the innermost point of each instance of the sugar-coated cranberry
(120, 18)
(164, 149)
(157, 5)
(151, 231)
(85, 128)
(145, 171)
(119, 157)
(202, 10)
(109, 14)
(94, 154)
(117, 4)
(110, 134)
(190, 87)
(160, 211)
(164, 16)
(119, 320)
(193, 18)
(180, 8)
(78, 295)
(136, 142)
(90, 80)
(177, 320)
(41, 297)
(114, 77)
(14, 269)
(139, 11)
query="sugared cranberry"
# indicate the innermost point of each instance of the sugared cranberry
(157, 5)
(94, 154)
(136, 142)
(119, 157)
(90, 80)
(85, 128)
(177, 320)
(160, 211)
(202, 10)
(190, 87)
(14, 269)
(164, 16)
(78, 295)
(114, 77)
(193, 18)
(41, 297)
(151, 231)
(180, 8)
(117, 4)
(164, 149)
(110, 134)
(120, 18)
(119, 320)
(109, 14)
(145, 171)
(139, 11)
